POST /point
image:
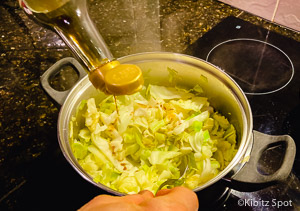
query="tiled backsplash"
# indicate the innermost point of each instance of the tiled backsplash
(288, 14)
(283, 12)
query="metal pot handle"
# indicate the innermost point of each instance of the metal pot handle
(60, 96)
(249, 178)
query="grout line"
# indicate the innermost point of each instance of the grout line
(275, 11)
(12, 190)
(242, 12)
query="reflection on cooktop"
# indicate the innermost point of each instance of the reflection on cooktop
(266, 65)
(257, 66)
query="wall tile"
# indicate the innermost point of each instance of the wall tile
(262, 8)
(288, 14)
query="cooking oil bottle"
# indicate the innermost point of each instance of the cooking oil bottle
(70, 19)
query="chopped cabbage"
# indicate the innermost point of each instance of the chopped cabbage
(154, 136)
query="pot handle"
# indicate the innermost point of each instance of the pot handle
(60, 96)
(249, 178)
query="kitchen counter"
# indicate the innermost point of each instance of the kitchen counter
(30, 159)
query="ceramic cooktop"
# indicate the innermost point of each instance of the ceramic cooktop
(266, 65)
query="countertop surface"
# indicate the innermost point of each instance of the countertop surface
(28, 117)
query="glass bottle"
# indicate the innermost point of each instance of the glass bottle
(71, 21)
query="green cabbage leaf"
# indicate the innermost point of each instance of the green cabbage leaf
(156, 134)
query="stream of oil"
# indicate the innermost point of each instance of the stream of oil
(116, 104)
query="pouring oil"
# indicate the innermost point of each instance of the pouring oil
(61, 16)
(116, 104)
(69, 18)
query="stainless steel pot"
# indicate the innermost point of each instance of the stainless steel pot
(223, 93)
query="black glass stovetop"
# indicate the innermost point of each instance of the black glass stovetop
(266, 65)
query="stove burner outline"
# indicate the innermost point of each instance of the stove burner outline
(265, 44)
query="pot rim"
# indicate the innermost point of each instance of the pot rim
(245, 142)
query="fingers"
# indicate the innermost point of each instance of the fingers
(178, 198)
(110, 203)
(146, 194)
(98, 201)
(102, 200)
(163, 192)
(184, 196)
(138, 198)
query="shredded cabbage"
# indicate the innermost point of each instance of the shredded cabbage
(156, 134)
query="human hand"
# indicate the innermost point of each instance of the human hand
(175, 199)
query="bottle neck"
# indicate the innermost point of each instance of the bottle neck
(73, 24)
